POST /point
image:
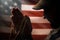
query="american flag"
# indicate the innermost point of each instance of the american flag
(41, 27)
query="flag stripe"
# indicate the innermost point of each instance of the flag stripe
(39, 37)
(38, 20)
(41, 31)
(29, 8)
(34, 31)
(33, 13)
(41, 26)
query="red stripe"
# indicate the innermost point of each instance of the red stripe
(41, 26)
(39, 37)
(33, 13)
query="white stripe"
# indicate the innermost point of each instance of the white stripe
(34, 31)
(41, 31)
(29, 8)
(38, 20)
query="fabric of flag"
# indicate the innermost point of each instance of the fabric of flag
(5, 10)
(41, 27)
